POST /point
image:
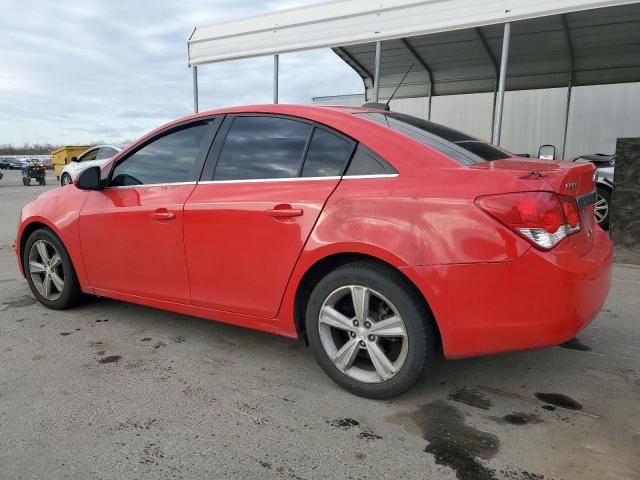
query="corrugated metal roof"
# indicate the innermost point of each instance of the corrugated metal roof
(600, 46)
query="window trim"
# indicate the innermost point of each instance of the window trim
(213, 123)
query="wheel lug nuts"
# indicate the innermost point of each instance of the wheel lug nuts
(367, 324)
(353, 334)
(362, 344)
(372, 338)
(356, 323)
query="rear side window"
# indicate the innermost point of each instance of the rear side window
(327, 156)
(168, 159)
(365, 162)
(262, 148)
(457, 145)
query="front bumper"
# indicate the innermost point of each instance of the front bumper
(541, 299)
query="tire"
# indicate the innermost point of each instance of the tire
(25, 181)
(43, 181)
(70, 294)
(390, 296)
(65, 179)
(603, 199)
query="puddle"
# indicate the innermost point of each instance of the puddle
(452, 442)
(518, 418)
(110, 359)
(21, 302)
(559, 400)
(575, 344)
(471, 397)
(369, 436)
(344, 423)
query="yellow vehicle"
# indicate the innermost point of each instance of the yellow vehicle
(63, 155)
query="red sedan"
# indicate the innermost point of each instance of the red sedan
(378, 237)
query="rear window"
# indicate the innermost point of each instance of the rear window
(459, 146)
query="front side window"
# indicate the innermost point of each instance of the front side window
(327, 155)
(262, 148)
(168, 159)
(456, 145)
(106, 152)
(90, 155)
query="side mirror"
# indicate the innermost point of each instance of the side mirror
(90, 179)
(74, 159)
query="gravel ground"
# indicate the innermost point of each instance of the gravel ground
(111, 390)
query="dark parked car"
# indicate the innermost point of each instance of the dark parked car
(16, 164)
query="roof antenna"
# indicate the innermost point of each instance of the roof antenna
(396, 90)
(385, 106)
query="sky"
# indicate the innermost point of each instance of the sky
(81, 71)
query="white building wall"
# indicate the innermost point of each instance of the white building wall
(598, 116)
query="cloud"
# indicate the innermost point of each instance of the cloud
(76, 71)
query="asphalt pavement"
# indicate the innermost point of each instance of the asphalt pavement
(111, 390)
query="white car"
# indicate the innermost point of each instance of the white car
(94, 156)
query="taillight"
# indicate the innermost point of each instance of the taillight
(543, 218)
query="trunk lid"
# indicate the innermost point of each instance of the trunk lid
(574, 179)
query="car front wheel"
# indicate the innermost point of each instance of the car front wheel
(65, 179)
(49, 271)
(369, 330)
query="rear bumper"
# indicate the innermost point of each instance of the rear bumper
(541, 299)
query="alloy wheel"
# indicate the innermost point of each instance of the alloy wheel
(45, 269)
(363, 334)
(66, 179)
(601, 208)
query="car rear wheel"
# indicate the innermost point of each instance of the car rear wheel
(49, 271)
(65, 179)
(369, 330)
(602, 207)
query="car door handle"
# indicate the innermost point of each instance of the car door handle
(163, 214)
(285, 212)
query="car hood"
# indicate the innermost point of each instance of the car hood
(56, 192)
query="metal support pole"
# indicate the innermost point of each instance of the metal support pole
(497, 129)
(195, 88)
(566, 121)
(376, 74)
(429, 105)
(493, 107)
(276, 61)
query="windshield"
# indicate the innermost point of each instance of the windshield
(459, 146)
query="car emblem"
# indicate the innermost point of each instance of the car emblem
(571, 185)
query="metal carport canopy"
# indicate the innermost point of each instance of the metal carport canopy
(455, 45)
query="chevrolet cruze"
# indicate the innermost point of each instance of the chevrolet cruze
(380, 238)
